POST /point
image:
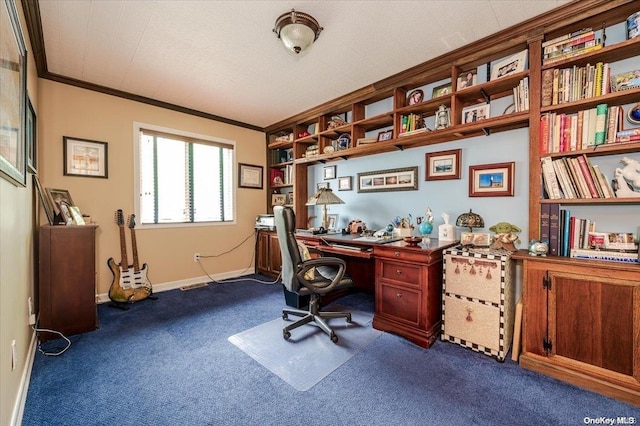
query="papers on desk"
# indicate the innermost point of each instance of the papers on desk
(373, 239)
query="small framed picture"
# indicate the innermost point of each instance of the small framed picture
(329, 172)
(290, 198)
(345, 183)
(442, 90)
(250, 176)
(278, 199)
(510, 65)
(491, 180)
(45, 200)
(332, 221)
(83, 157)
(385, 135)
(475, 113)
(443, 165)
(321, 185)
(415, 97)
(467, 79)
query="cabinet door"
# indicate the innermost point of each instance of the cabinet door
(275, 256)
(262, 255)
(592, 321)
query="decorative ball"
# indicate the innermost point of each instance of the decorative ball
(425, 228)
(634, 114)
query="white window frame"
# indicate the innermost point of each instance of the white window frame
(137, 126)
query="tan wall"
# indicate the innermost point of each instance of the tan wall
(71, 111)
(16, 269)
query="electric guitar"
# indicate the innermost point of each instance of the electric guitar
(140, 277)
(121, 290)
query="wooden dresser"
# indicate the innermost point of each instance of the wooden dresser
(408, 288)
(67, 284)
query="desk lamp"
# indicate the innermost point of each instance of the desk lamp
(323, 197)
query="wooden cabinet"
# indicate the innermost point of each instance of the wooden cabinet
(478, 300)
(67, 280)
(409, 291)
(581, 323)
(268, 257)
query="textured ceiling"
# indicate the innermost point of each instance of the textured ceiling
(221, 57)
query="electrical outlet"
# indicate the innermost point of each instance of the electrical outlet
(196, 257)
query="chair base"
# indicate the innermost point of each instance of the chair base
(315, 316)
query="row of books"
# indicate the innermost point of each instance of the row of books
(577, 238)
(574, 177)
(521, 95)
(582, 130)
(411, 122)
(570, 45)
(561, 85)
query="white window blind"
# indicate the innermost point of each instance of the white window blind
(184, 179)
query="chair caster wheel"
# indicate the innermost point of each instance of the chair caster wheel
(349, 319)
(285, 316)
(286, 335)
(334, 337)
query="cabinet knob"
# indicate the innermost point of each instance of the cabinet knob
(399, 295)
(469, 310)
(396, 254)
(398, 272)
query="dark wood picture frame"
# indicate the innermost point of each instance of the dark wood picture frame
(404, 179)
(443, 165)
(385, 135)
(31, 134)
(345, 183)
(45, 200)
(250, 176)
(85, 157)
(491, 180)
(329, 172)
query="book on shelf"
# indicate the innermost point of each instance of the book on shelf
(547, 87)
(549, 178)
(604, 182)
(585, 170)
(629, 132)
(565, 37)
(601, 124)
(554, 229)
(612, 256)
(623, 139)
(544, 222)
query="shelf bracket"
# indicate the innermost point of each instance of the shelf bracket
(486, 131)
(485, 95)
(400, 147)
(344, 157)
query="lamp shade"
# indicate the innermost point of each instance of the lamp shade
(323, 197)
(297, 30)
(470, 220)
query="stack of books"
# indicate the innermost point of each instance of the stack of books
(569, 45)
(574, 177)
(521, 96)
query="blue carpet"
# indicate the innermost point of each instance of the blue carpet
(168, 362)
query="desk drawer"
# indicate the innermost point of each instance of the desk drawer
(401, 272)
(476, 278)
(399, 302)
(472, 322)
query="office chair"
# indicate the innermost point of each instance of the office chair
(313, 277)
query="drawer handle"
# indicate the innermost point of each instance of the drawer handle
(399, 295)
(469, 310)
(398, 272)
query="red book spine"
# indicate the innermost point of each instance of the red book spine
(586, 173)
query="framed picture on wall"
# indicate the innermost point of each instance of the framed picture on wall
(84, 157)
(491, 180)
(443, 165)
(249, 176)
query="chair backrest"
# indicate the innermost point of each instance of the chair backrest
(285, 219)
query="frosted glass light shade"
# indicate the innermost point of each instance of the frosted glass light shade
(297, 30)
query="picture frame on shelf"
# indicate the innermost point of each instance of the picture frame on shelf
(60, 200)
(345, 183)
(473, 113)
(443, 165)
(415, 97)
(442, 90)
(332, 221)
(45, 200)
(403, 179)
(510, 65)
(329, 172)
(290, 198)
(278, 199)
(491, 180)
(385, 135)
(13, 159)
(467, 79)
(85, 158)
(250, 176)
(321, 185)
(625, 81)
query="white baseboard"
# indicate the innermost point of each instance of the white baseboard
(21, 399)
(172, 285)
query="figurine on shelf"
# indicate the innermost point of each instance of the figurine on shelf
(505, 237)
(626, 180)
(426, 225)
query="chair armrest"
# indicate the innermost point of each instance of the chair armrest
(321, 285)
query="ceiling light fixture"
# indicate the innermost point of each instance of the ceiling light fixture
(297, 30)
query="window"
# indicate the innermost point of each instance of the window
(183, 178)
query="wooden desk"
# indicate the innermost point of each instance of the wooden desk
(407, 281)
